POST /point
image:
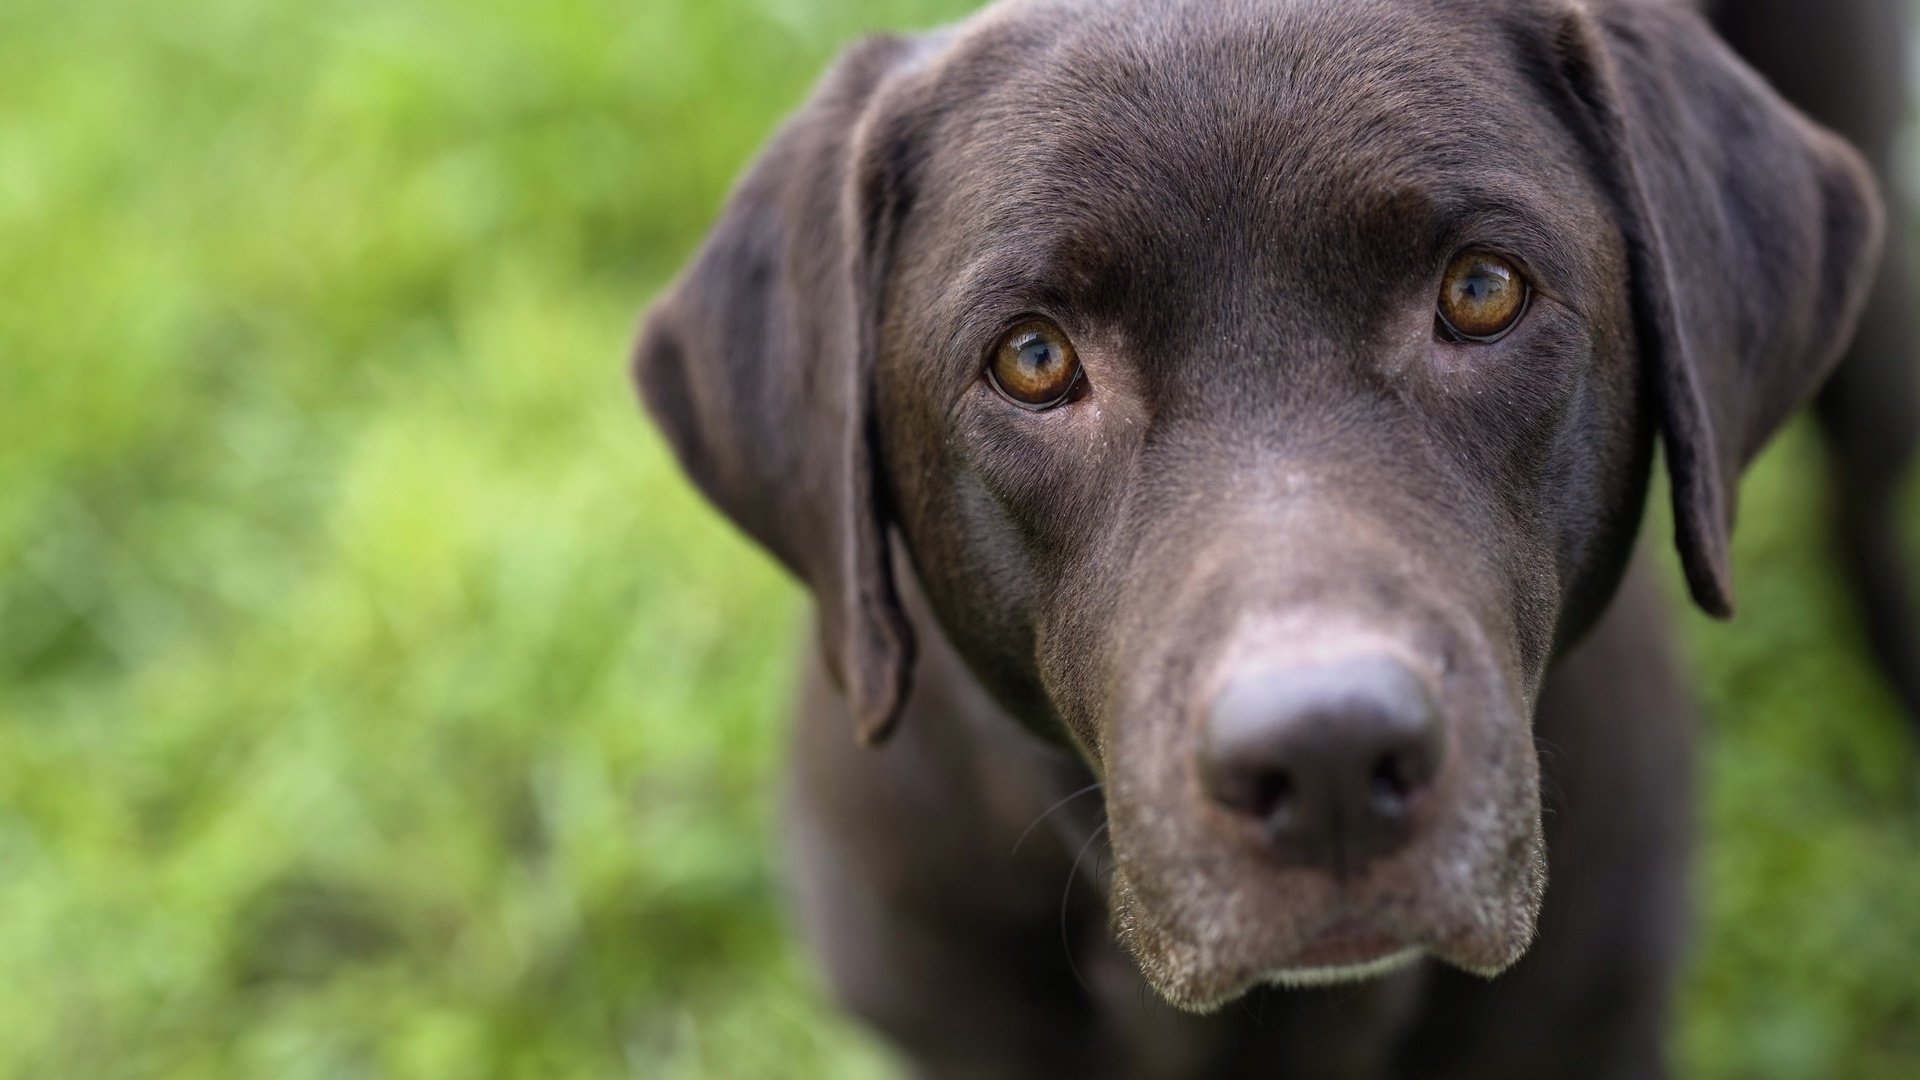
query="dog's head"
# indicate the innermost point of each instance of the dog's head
(1264, 392)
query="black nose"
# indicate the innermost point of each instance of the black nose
(1330, 761)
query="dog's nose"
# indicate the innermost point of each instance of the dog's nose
(1329, 760)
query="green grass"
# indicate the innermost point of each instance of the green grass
(375, 698)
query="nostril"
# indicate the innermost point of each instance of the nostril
(1392, 785)
(1271, 795)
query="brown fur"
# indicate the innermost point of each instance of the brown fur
(1239, 210)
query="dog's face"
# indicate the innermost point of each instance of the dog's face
(1264, 391)
(1233, 371)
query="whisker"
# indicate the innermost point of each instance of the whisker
(1066, 946)
(1048, 812)
(1341, 999)
(1555, 797)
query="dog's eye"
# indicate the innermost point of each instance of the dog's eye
(1034, 366)
(1482, 297)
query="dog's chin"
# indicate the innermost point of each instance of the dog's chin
(1307, 978)
(1205, 971)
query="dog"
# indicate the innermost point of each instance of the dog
(1215, 434)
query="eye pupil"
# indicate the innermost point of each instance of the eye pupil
(1479, 288)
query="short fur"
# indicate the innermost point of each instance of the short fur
(1239, 210)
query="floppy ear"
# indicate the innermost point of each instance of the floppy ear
(1753, 236)
(757, 366)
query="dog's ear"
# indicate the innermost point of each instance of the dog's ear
(1753, 235)
(757, 365)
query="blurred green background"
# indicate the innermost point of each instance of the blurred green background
(376, 699)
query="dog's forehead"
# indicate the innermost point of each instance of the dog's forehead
(1262, 115)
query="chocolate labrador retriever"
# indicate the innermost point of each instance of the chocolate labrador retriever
(1240, 413)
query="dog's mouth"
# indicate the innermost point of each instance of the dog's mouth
(1205, 946)
(1351, 948)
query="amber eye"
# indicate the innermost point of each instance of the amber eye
(1034, 366)
(1482, 296)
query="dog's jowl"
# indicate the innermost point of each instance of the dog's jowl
(1248, 407)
